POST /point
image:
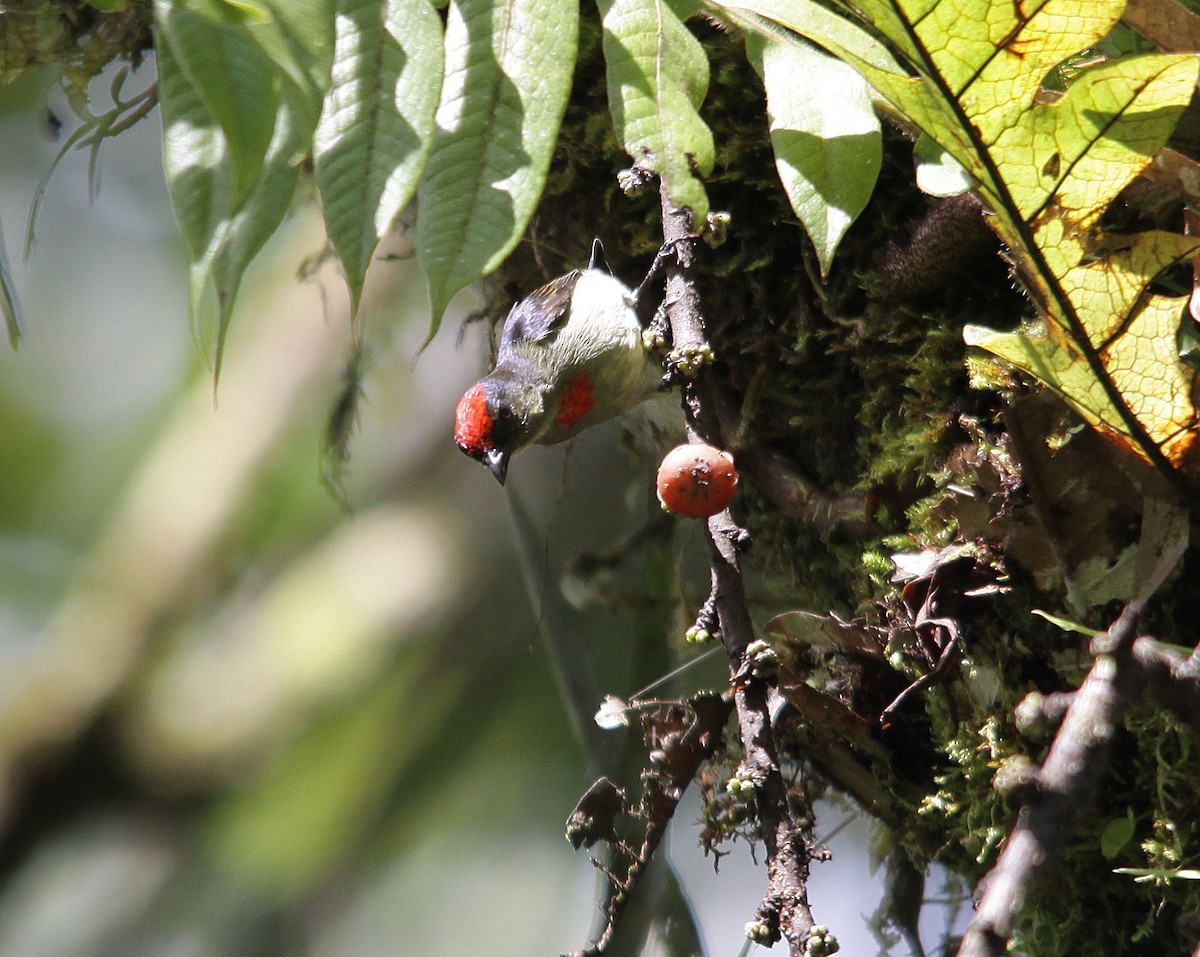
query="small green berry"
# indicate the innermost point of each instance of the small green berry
(821, 943)
(758, 931)
(741, 786)
(697, 635)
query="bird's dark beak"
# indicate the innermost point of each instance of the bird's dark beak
(497, 461)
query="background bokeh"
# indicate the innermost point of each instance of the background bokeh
(242, 715)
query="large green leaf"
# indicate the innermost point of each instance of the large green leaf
(1134, 338)
(224, 220)
(657, 79)
(808, 18)
(1047, 170)
(241, 236)
(234, 80)
(298, 37)
(377, 124)
(195, 156)
(826, 137)
(508, 71)
(240, 92)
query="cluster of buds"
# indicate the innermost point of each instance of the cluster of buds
(697, 635)
(689, 360)
(741, 786)
(821, 943)
(760, 932)
(654, 338)
(764, 662)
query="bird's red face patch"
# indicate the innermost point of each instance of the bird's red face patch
(577, 400)
(473, 422)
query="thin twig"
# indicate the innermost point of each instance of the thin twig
(679, 758)
(784, 910)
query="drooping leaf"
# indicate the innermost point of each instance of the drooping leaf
(9, 305)
(508, 68)
(298, 37)
(233, 79)
(827, 141)
(377, 123)
(781, 19)
(657, 78)
(195, 158)
(972, 77)
(240, 237)
(224, 221)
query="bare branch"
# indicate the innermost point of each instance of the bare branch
(1062, 787)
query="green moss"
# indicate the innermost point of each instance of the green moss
(862, 385)
(78, 39)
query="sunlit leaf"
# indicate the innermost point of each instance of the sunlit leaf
(241, 93)
(808, 18)
(1066, 624)
(826, 137)
(240, 237)
(195, 155)
(939, 173)
(1164, 875)
(1047, 171)
(297, 36)
(224, 225)
(657, 78)
(508, 71)
(377, 124)
(1133, 337)
(1065, 163)
(233, 79)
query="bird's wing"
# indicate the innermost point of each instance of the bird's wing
(542, 313)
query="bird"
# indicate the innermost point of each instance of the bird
(571, 355)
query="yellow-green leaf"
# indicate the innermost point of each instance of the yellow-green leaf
(972, 83)
(1132, 335)
(1065, 163)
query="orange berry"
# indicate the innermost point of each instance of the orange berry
(696, 481)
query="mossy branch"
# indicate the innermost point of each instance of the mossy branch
(784, 911)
